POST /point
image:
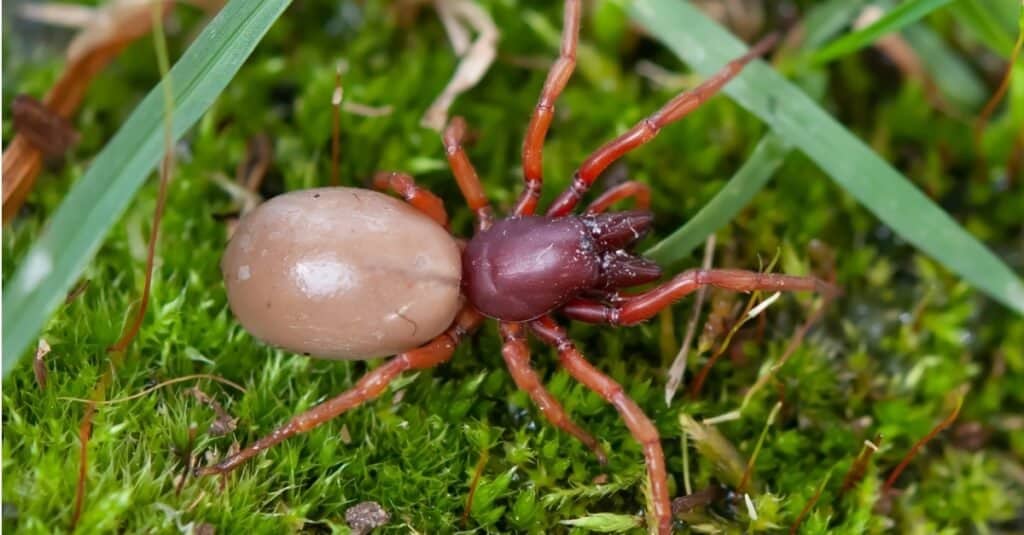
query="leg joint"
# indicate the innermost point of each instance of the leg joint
(456, 333)
(533, 187)
(615, 394)
(651, 127)
(302, 423)
(611, 315)
(578, 186)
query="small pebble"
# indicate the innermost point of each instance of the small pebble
(363, 517)
(204, 529)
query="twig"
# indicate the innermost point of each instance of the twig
(76, 291)
(678, 368)
(166, 171)
(698, 381)
(336, 98)
(748, 473)
(477, 473)
(189, 460)
(158, 386)
(1004, 85)
(810, 504)
(794, 343)
(920, 443)
(859, 466)
(117, 353)
(84, 432)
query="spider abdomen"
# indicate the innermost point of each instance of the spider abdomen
(342, 273)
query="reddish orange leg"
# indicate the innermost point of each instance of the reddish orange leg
(637, 190)
(558, 77)
(371, 385)
(517, 358)
(639, 424)
(465, 174)
(633, 309)
(420, 198)
(645, 130)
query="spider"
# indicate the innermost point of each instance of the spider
(519, 270)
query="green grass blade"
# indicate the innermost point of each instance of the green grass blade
(900, 16)
(978, 18)
(98, 199)
(748, 180)
(829, 18)
(823, 21)
(951, 73)
(795, 117)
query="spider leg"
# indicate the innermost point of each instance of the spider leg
(465, 173)
(420, 198)
(517, 358)
(633, 309)
(558, 77)
(640, 426)
(637, 190)
(370, 386)
(646, 129)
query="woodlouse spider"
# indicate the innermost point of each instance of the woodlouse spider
(353, 274)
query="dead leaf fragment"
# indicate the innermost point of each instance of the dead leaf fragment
(701, 498)
(712, 445)
(104, 32)
(259, 154)
(476, 57)
(39, 365)
(223, 423)
(48, 132)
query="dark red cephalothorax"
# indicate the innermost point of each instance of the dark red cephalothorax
(524, 267)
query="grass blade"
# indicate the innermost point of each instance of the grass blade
(767, 157)
(706, 46)
(900, 16)
(829, 18)
(823, 21)
(977, 16)
(98, 199)
(951, 73)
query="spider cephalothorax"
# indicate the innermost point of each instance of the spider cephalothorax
(524, 267)
(519, 270)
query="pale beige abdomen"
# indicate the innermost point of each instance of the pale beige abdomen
(342, 273)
